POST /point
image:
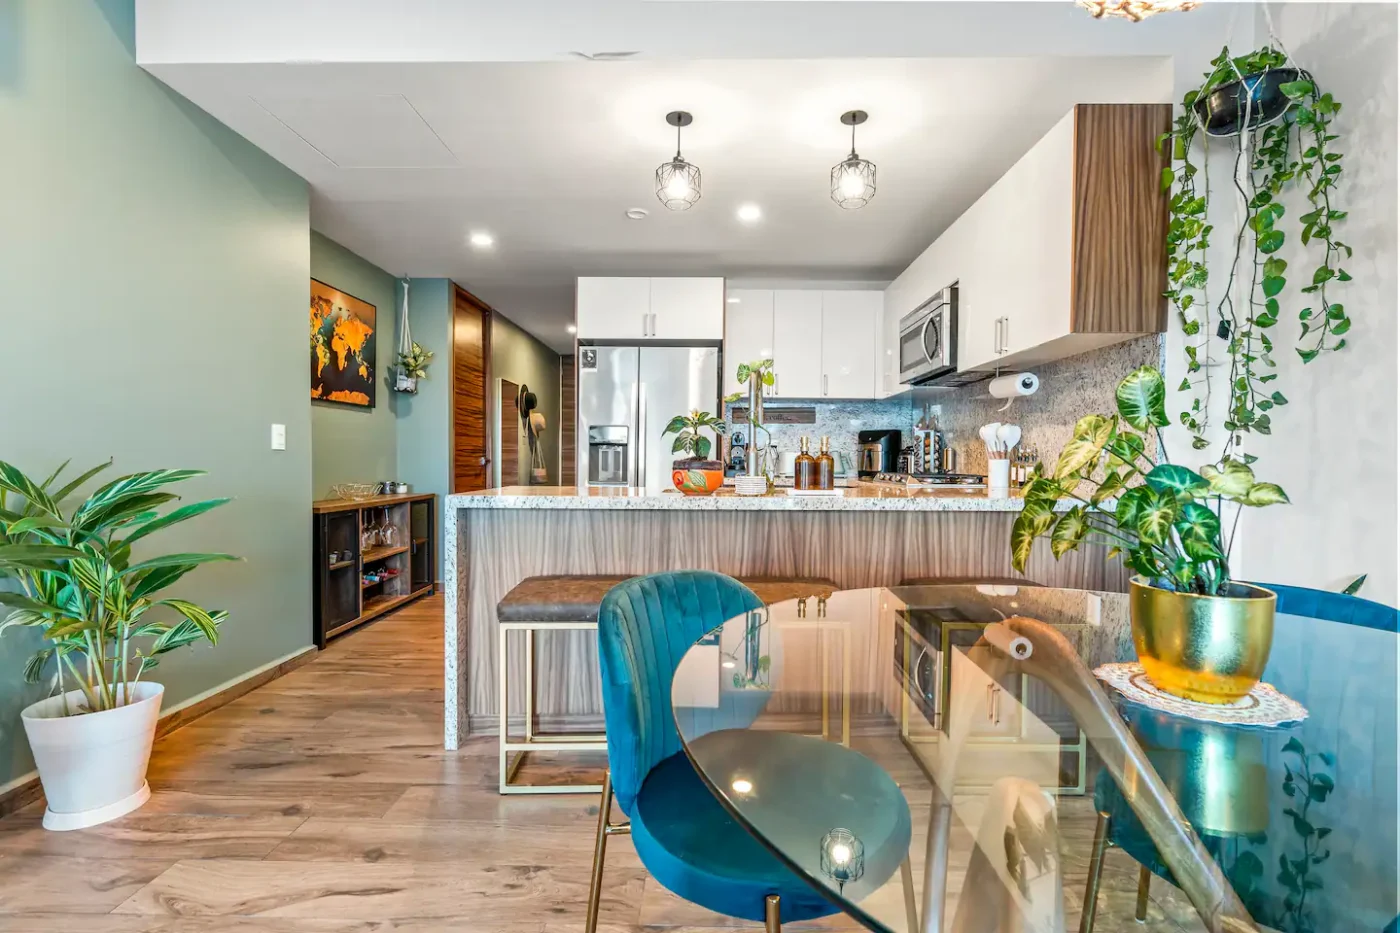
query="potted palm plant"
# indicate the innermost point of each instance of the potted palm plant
(1198, 633)
(73, 578)
(696, 475)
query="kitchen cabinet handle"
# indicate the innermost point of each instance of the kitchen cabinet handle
(824, 384)
(996, 705)
(1005, 333)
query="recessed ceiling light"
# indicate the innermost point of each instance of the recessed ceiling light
(571, 328)
(482, 239)
(742, 786)
(732, 300)
(750, 213)
(636, 213)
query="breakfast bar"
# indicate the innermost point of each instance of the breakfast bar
(871, 536)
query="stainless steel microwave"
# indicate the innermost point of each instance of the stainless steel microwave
(928, 338)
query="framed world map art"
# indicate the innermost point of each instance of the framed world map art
(342, 347)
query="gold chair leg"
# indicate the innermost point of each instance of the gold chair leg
(1091, 889)
(911, 909)
(1144, 889)
(772, 919)
(600, 847)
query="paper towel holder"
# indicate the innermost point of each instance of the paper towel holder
(1025, 384)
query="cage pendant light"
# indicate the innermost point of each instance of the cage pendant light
(853, 179)
(678, 181)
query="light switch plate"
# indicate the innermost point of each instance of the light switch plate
(279, 437)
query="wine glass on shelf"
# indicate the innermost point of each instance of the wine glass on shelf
(369, 534)
(388, 532)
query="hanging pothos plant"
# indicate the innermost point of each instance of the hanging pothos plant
(1281, 124)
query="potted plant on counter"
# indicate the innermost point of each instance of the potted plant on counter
(75, 581)
(696, 475)
(1199, 634)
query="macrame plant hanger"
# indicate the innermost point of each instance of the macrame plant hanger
(404, 382)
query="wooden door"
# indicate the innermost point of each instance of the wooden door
(471, 349)
(568, 414)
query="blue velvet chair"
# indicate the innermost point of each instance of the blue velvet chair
(1118, 827)
(682, 833)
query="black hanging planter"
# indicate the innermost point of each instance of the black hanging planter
(1222, 111)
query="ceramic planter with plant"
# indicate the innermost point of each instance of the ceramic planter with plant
(1278, 123)
(696, 475)
(412, 366)
(1198, 634)
(73, 576)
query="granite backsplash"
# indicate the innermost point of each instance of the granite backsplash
(839, 420)
(1069, 389)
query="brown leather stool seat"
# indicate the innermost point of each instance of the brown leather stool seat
(966, 581)
(558, 598)
(776, 589)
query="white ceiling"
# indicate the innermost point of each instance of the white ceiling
(406, 160)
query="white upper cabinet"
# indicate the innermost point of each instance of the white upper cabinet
(849, 322)
(797, 343)
(1065, 253)
(613, 308)
(638, 308)
(823, 343)
(748, 332)
(687, 309)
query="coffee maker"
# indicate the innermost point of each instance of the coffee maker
(877, 452)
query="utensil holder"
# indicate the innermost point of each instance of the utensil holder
(998, 473)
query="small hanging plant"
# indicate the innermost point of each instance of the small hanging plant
(1281, 124)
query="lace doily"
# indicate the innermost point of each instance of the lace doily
(1262, 706)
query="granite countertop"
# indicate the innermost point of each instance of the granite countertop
(864, 497)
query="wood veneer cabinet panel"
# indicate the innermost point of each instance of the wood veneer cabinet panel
(1120, 219)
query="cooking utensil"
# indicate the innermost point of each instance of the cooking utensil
(989, 435)
(1009, 435)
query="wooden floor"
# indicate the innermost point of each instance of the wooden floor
(324, 803)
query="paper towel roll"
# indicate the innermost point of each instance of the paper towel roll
(1014, 385)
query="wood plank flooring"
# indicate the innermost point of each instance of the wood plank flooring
(324, 802)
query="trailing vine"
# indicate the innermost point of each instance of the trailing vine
(1269, 160)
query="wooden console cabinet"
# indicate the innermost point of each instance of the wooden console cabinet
(342, 599)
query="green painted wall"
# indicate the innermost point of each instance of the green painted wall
(424, 420)
(153, 292)
(520, 358)
(349, 444)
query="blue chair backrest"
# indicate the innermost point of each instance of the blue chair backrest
(645, 626)
(1334, 607)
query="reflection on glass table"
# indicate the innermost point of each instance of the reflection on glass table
(978, 703)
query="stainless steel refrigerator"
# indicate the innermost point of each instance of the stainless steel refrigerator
(626, 395)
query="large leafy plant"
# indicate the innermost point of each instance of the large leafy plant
(77, 583)
(1297, 151)
(687, 429)
(1163, 517)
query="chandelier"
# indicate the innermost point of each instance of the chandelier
(678, 181)
(1136, 10)
(853, 179)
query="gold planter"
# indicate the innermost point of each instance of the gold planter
(1210, 649)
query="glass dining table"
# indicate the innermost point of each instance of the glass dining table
(941, 758)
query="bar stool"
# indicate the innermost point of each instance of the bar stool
(561, 603)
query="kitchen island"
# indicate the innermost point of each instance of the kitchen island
(873, 535)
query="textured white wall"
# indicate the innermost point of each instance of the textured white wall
(1334, 447)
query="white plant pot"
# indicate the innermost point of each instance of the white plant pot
(92, 765)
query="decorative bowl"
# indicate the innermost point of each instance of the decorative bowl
(355, 492)
(697, 477)
(1207, 649)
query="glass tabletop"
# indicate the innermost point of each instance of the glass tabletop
(939, 758)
